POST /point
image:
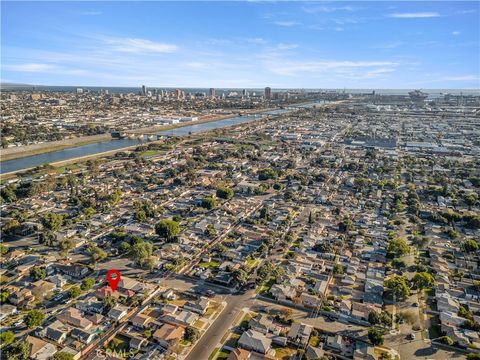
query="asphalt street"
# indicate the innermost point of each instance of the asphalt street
(208, 342)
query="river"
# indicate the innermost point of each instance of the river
(115, 144)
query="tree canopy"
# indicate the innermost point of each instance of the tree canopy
(398, 285)
(52, 221)
(167, 229)
(209, 202)
(423, 280)
(397, 247)
(34, 318)
(375, 336)
(225, 193)
(470, 245)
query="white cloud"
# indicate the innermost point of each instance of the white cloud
(326, 9)
(414, 15)
(283, 46)
(30, 67)
(456, 33)
(285, 23)
(291, 68)
(257, 41)
(344, 21)
(391, 45)
(470, 11)
(462, 78)
(135, 45)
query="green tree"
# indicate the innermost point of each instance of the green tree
(265, 213)
(74, 292)
(3, 250)
(266, 174)
(445, 340)
(346, 225)
(6, 338)
(476, 284)
(470, 245)
(147, 334)
(375, 336)
(19, 350)
(38, 273)
(124, 247)
(61, 356)
(423, 280)
(397, 247)
(65, 245)
(191, 334)
(10, 227)
(240, 277)
(338, 269)
(8, 194)
(4, 296)
(210, 231)
(374, 317)
(109, 302)
(386, 318)
(167, 229)
(209, 203)
(115, 196)
(225, 193)
(89, 211)
(52, 221)
(398, 285)
(34, 318)
(473, 356)
(140, 216)
(96, 254)
(398, 264)
(141, 252)
(87, 283)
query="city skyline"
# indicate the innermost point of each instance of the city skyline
(242, 44)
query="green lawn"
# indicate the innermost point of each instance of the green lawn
(251, 263)
(233, 340)
(151, 152)
(118, 344)
(264, 288)
(314, 340)
(62, 169)
(209, 265)
(223, 355)
(213, 354)
(246, 319)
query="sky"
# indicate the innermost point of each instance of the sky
(242, 44)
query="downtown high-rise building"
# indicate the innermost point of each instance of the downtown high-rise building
(144, 90)
(212, 93)
(268, 93)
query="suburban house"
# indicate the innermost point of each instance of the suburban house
(255, 341)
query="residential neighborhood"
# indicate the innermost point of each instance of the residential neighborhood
(340, 230)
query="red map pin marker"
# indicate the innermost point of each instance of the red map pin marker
(113, 277)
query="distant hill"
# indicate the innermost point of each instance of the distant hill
(5, 85)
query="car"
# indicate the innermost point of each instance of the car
(209, 293)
